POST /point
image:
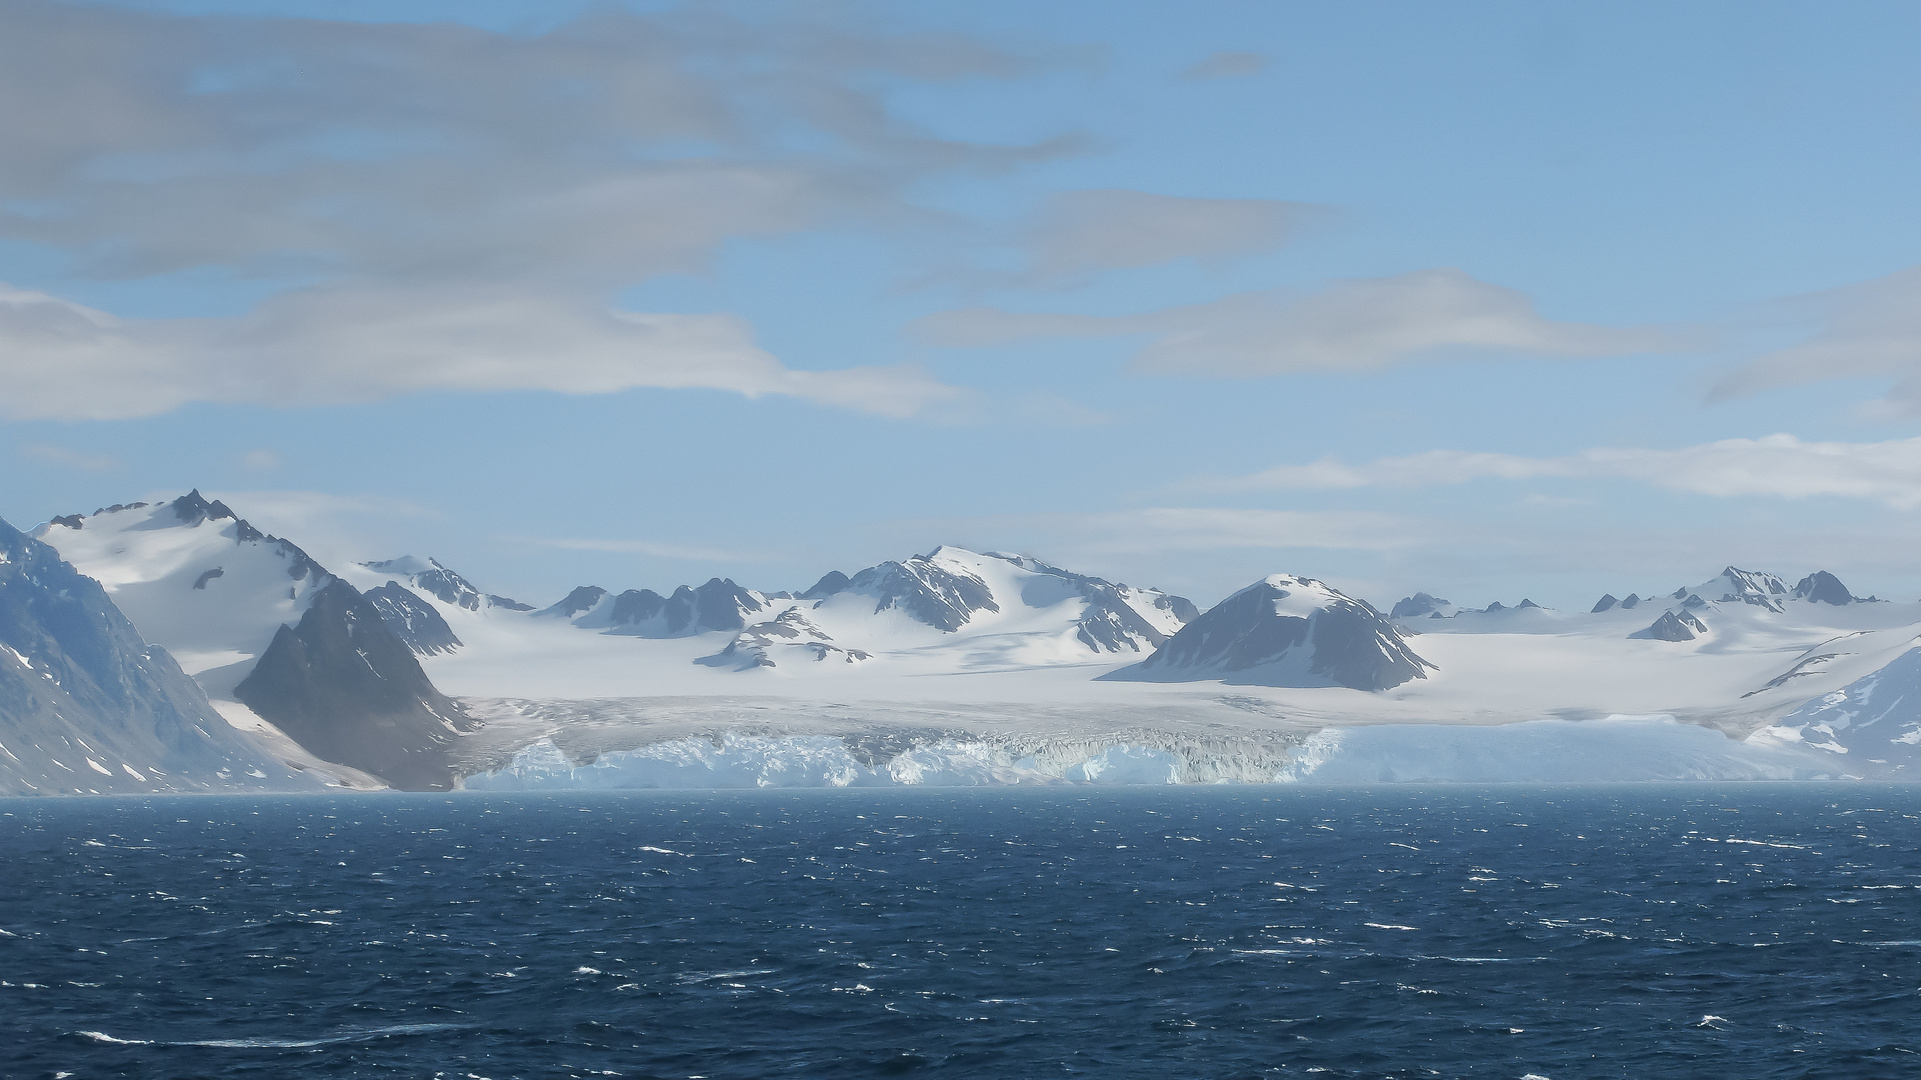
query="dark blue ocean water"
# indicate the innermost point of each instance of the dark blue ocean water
(1700, 931)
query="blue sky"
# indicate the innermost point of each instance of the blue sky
(1492, 300)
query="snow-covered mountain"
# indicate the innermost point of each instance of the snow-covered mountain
(950, 611)
(1286, 631)
(282, 647)
(87, 706)
(429, 577)
(194, 578)
(961, 666)
(1870, 728)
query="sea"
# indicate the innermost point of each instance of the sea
(1703, 930)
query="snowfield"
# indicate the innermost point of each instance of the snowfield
(959, 667)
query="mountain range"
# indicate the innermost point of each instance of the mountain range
(401, 672)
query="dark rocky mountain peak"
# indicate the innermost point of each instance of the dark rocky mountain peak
(1418, 605)
(412, 619)
(720, 604)
(1673, 626)
(830, 583)
(584, 598)
(1606, 601)
(1286, 631)
(343, 685)
(192, 509)
(1822, 587)
(929, 589)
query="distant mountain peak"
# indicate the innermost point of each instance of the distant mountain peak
(1822, 587)
(1286, 630)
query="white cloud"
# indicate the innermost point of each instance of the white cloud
(1871, 330)
(64, 361)
(455, 204)
(1779, 466)
(1355, 325)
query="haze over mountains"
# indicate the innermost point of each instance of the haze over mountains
(953, 667)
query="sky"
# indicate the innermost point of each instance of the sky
(1490, 300)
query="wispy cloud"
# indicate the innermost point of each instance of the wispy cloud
(1079, 233)
(1355, 325)
(64, 361)
(1779, 466)
(1869, 330)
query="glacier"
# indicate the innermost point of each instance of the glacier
(1613, 749)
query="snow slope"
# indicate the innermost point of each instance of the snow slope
(1869, 729)
(193, 577)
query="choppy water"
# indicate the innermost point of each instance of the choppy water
(1703, 931)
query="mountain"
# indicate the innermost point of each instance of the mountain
(412, 619)
(193, 577)
(1009, 608)
(1286, 631)
(948, 610)
(1741, 586)
(1421, 606)
(258, 623)
(1871, 727)
(343, 685)
(1822, 587)
(87, 706)
(428, 576)
(718, 605)
(1673, 626)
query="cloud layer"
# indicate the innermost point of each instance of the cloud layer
(340, 345)
(1080, 233)
(1870, 330)
(1779, 466)
(439, 206)
(1355, 325)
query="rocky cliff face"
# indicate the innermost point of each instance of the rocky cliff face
(343, 685)
(87, 706)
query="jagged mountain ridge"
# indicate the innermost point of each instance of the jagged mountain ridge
(948, 592)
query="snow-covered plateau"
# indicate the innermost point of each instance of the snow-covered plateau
(961, 668)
